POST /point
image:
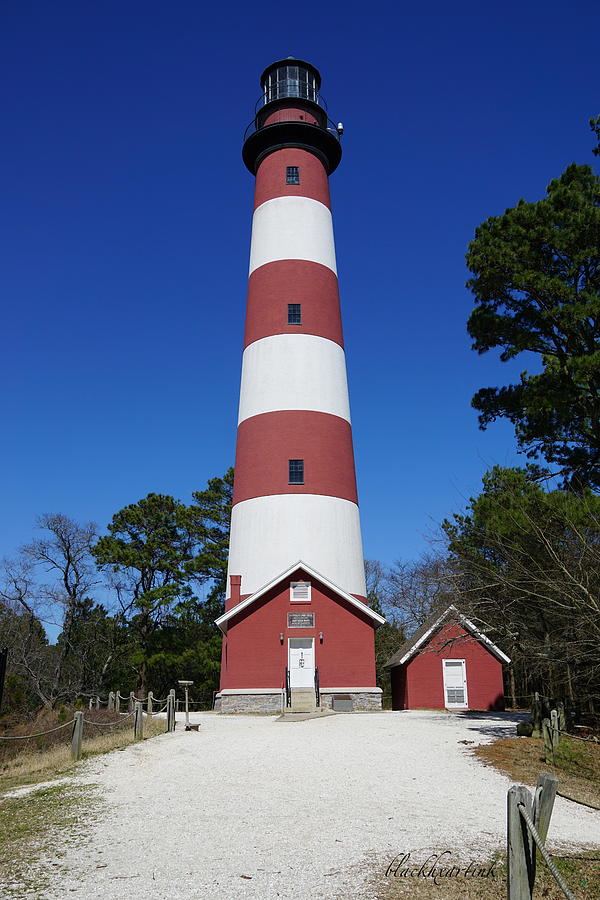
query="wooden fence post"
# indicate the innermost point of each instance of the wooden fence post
(555, 731)
(536, 715)
(548, 742)
(131, 705)
(149, 703)
(171, 711)
(118, 702)
(543, 804)
(111, 701)
(520, 858)
(90, 704)
(97, 702)
(138, 721)
(77, 738)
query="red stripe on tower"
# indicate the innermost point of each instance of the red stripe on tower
(272, 288)
(269, 184)
(267, 442)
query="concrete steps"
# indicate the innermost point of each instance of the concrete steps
(303, 700)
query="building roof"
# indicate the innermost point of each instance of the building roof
(222, 621)
(414, 643)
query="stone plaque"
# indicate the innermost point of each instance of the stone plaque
(301, 620)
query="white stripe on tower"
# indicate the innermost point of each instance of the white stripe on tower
(271, 533)
(310, 374)
(292, 228)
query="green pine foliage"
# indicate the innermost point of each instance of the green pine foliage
(536, 282)
(160, 554)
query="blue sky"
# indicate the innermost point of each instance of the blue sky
(125, 227)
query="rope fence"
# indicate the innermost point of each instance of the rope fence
(551, 732)
(573, 800)
(123, 718)
(545, 855)
(576, 737)
(111, 705)
(134, 716)
(27, 737)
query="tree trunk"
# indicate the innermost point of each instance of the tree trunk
(570, 684)
(142, 679)
(513, 689)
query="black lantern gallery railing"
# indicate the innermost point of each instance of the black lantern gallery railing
(282, 116)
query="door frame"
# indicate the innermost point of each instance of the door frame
(298, 637)
(447, 705)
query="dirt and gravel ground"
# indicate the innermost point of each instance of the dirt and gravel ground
(249, 807)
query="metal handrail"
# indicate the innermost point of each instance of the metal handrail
(317, 687)
(253, 126)
(288, 689)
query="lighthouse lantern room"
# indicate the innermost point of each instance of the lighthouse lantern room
(297, 630)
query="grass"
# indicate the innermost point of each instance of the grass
(38, 825)
(581, 873)
(576, 764)
(30, 766)
(35, 826)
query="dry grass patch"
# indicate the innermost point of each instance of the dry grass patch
(36, 826)
(32, 765)
(577, 764)
(581, 873)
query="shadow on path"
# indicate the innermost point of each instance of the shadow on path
(494, 725)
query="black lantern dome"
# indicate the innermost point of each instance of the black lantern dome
(291, 113)
(290, 78)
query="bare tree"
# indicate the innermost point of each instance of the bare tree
(64, 553)
(22, 630)
(415, 590)
(535, 583)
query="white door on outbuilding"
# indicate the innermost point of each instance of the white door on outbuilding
(455, 683)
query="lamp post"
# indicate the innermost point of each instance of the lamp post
(185, 685)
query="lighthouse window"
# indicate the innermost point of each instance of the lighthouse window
(294, 314)
(296, 471)
(292, 175)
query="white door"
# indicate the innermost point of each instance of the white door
(455, 683)
(302, 662)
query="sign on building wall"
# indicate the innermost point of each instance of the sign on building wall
(301, 620)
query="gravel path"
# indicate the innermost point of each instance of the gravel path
(249, 807)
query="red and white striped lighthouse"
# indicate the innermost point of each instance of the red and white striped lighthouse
(295, 505)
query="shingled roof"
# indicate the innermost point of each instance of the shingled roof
(411, 646)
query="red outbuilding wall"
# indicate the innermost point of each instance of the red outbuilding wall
(419, 683)
(255, 657)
